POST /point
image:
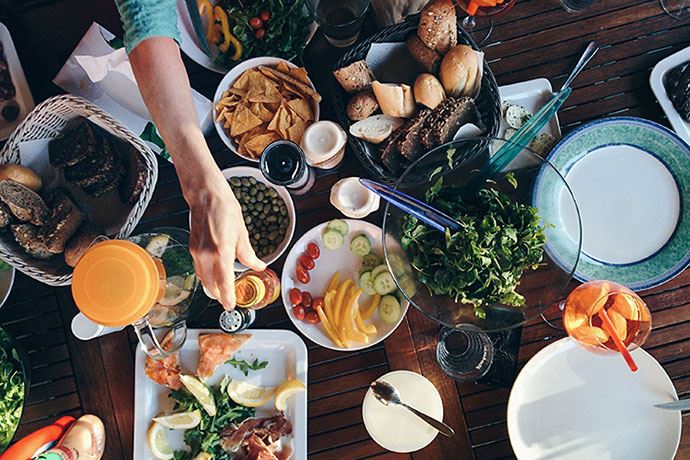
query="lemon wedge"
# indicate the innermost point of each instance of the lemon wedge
(249, 395)
(203, 456)
(158, 442)
(180, 421)
(285, 390)
(200, 392)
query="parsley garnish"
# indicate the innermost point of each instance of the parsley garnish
(245, 366)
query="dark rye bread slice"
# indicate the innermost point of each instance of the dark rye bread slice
(408, 143)
(462, 112)
(104, 183)
(73, 145)
(27, 237)
(65, 218)
(98, 162)
(390, 156)
(6, 216)
(25, 204)
(134, 179)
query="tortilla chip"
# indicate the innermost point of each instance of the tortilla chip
(299, 73)
(296, 131)
(284, 122)
(242, 81)
(238, 92)
(243, 121)
(273, 125)
(282, 66)
(302, 108)
(257, 144)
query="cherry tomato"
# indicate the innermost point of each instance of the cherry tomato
(306, 299)
(259, 33)
(317, 303)
(295, 297)
(302, 276)
(306, 261)
(313, 250)
(312, 317)
(265, 15)
(256, 23)
(299, 312)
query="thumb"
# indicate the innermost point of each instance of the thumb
(247, 256)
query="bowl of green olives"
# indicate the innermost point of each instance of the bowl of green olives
(267, 209)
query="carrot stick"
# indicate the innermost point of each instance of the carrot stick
(608, 326)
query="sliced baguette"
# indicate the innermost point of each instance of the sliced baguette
(395, 100)
(376, 128)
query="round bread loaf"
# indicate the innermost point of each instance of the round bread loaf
(428, 90)
(18, 173)
(458, 71)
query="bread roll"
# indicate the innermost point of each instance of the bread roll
(438, 26)
(458, 71)
(21, 174)
(428, 90)
(362, 105)
(355, 77)
(395, 100)
(427, 58)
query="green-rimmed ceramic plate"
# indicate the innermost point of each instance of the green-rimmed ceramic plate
(631, 181)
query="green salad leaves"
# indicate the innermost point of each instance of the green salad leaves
(483, 262)
(206, 436)
(11, 390)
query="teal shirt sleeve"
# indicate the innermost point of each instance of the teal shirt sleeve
(142, 19)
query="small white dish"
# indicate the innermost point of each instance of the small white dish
(323, 142)
(248, 171)
(532, 95)
(353, 199)
(656, 81)
(227, 82)
(571, 404)
(348, 265)
(287, 359)
(395, 428)
(23, 98)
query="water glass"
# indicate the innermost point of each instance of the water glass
(575, 6)
(340, 20)
(465, 353)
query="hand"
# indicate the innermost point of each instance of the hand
(218, 235)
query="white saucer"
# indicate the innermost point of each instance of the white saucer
(569, 403)
(395, 428)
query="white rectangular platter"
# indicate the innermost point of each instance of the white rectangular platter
(287, 359)
(532, 95)
(656, 80)
(23, 99)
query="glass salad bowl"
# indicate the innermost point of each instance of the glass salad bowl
(513, 258)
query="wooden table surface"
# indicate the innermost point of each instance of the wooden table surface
(536, 38)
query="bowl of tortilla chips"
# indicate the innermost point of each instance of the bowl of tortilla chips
(263, 100)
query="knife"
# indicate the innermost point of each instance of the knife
(193, 10)
(683, 404)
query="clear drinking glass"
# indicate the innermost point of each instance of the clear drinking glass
(575, 6)
(479, 21)
(677, 9)
(339, 20)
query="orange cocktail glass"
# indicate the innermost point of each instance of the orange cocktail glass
(606, 316)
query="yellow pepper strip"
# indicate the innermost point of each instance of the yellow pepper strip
(333, 283)
(329, 327)
(348, 327)
(206, 10)
(371, 308)
(369, 329)
(228, 37)
(338, 305)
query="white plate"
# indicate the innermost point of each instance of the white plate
(532, 95)
(24, 99)
(233, 75)
(395, 428)
(6, 283)
(569, 403)
(340, 260)
(656, 80)
(287, 359)
(189, 42)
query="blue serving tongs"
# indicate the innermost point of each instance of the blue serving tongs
(422, 211)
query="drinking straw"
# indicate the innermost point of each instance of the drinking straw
(608, 326)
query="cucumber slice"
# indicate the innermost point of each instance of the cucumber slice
(339, 226)
(383, 268)
(384, 284)
(360, 245)
(370, 261)
(408, 285)
(333, 240)
(367, 284)
(157, 245)
(389, 309)
(397, 264)
(189, 282)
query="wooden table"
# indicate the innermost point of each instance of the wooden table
(534, 39)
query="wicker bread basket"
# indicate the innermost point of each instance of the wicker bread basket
(46, 121)
(488, 101)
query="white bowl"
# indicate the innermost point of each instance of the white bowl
(230, 78)
(249, 171)
(6, 283)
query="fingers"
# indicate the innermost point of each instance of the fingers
(225, 279)
(246, 254)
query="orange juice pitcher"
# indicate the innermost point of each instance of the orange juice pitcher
(147, 281)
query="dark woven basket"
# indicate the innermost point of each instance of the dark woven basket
(488, 102)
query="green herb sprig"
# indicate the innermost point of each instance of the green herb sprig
(245, 366)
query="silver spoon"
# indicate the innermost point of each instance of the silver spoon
(388, 395)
